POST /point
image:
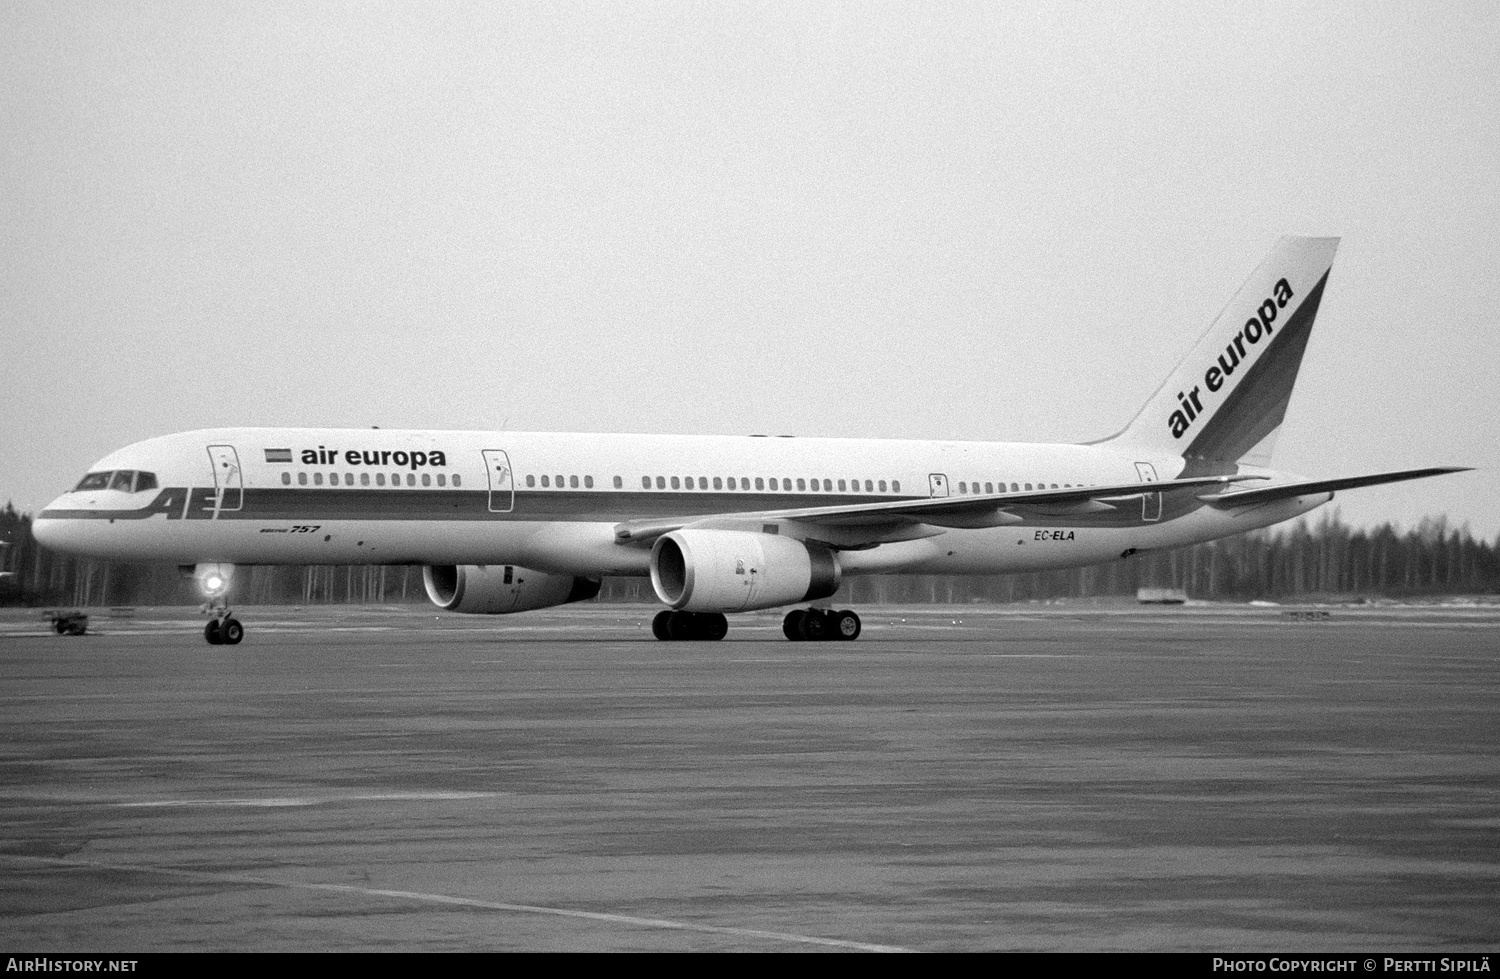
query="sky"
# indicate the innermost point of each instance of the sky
(907, 220)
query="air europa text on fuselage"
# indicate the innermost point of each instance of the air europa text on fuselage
(1256, 327)
(324, 456)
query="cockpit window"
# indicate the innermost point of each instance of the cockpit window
(123, 480)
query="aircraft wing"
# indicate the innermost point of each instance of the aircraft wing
(987, 510)
(1268, 494)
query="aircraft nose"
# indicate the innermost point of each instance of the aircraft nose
(50, 531)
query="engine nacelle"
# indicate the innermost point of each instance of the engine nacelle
(497, 589)
(736, 570)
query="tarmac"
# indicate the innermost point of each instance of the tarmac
(1034, 777)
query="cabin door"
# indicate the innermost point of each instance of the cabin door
(229, 489)
(938, 485)
(502, 483)
(1150, 502)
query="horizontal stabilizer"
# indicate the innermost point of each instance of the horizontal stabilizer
(1268, 494)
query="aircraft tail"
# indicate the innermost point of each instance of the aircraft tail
(1225, 401)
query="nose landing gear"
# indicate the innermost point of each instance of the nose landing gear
(223, 629)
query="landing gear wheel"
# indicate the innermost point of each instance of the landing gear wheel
(231, 632)
(212, 633)
(815, 625)
(659, 625)
(791, 626)
(711, 626)
(846, 625)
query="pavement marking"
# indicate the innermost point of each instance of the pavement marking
(467, 902)
(279, 802)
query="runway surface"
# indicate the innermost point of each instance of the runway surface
(958, 779)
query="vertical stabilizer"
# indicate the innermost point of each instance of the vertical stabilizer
(1225, 401)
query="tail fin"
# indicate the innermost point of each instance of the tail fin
(1225, 401)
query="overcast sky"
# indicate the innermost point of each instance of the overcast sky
(976, 221)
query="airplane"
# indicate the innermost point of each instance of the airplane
(506, 522)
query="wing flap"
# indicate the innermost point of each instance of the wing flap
(991, 510)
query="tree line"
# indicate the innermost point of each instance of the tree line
(1323, 558)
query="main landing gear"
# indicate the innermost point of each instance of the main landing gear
(669, 625)
(816, 624)
(803, 624)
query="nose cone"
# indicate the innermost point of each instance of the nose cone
(52, 530)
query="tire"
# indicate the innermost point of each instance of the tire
(231, 632)
(791, 626)
(715, 627)
(212, 634)
(846, 626)
(680, 626)
(659, 625)
(816, 625)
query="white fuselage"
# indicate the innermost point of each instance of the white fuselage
(553, 501)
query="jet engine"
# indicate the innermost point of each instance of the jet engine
(735, 571)
(496, 589)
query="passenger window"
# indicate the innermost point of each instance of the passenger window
(411, 480)
(546, 482)
(841, 485)
(718, 483)
(317, 479)
(676, 483)
(426, 479)
(1028, 486)
(559, 482)
(531, 480)
(364, 479)
(731, 482)
(302, 479)
(773, 483)
(801, 485)
(895, 486)
(989, 488)
(455, 479)
(588, 482)
(348, 479)
(286, 479)
(703, 482)
(881, 485)
(380, 479)
(760, 483)
(442, 479)
(619, 483)
(963, 488)
(661, 482)
(573, 481)
(645, 482)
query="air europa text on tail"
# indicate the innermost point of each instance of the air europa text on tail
(1190, 403)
